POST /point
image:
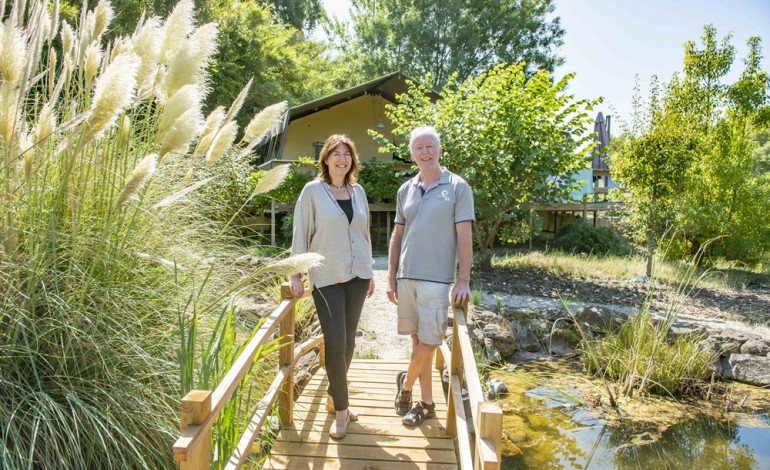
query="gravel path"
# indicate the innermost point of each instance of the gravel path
(377, 328)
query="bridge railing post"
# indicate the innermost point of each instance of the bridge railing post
(196, 407)
(286, 359)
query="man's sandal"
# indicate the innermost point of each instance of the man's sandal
(419, 413)
(403, 399)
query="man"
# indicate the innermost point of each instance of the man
(431, 238)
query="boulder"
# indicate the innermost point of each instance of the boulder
(747, 368)
(756, 347)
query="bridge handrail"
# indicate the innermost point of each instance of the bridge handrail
(200, 408)
(483, 452)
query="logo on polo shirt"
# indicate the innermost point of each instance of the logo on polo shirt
(445, 195)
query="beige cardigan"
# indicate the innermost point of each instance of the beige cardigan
(320, 226)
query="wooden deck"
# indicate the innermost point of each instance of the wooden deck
(378, 440)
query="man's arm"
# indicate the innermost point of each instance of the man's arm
(462, 289)
(394, 254)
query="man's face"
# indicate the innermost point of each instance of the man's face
(425, 152)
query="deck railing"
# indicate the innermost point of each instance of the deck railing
(200, 408)
(483, 451)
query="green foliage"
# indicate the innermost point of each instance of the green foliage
(690, 161)
(452, 36)
(283, 64)
(302, 14)
(581, 237)
(508, 135)
(380, 181)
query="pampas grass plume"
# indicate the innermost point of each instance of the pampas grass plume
(265, 121)
(46, 124)
(187, 97)
(237, 103)
(13, 54)
(147, 41)
(67, 38)
(295, 264)
(222, 142)
(167, 201)
(178, 26)
(103, 15)
(270, 180)
(9, 118)
(188, 65)
(142, 172)
(93, 58)
(182, 132)
(114, 92)
(210, 127)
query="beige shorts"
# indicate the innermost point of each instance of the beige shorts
(423, 307)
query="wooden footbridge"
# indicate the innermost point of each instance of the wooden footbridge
(378, 440)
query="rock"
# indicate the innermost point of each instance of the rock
(496, 389)
(493, 354)
(683, 329)
(598, 318)
(737, 335)
(502, 335)
(755, 347)
(747, 368)
(529, 333)
(562, 341)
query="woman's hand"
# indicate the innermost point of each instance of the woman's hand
(371, 287)
(297, 288)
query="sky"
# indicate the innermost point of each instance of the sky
(609, 42)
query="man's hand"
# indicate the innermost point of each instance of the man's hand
(393, 293)
(461, 292)
(371, 287)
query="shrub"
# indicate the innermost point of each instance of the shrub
(581, 237)
(380, 181)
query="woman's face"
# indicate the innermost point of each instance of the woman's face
(340, 161)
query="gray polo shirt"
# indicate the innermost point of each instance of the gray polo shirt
(320, 226)
(429, 244)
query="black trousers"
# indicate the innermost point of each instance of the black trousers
(339, 309)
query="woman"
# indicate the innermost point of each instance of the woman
(331, 218)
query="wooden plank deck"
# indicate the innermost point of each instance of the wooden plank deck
(378, 440)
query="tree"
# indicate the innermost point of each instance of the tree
(302, 14)
(464, 36)
(701, 138)
(513, 139)
(651, 167)
(282, 63)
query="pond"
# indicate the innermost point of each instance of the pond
(556, 418)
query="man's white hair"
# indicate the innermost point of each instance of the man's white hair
(423, 131)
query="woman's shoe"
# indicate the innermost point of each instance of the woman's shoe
(340, 425)
(330, 408)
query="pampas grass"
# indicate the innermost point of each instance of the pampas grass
(143, 171)
(213, 121)
(222, 142)
(89, 281)
(295, 264)
(114, 92)
(271, 180)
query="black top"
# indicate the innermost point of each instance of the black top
(347, 207)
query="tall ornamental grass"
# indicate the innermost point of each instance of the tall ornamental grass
(102, 246)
